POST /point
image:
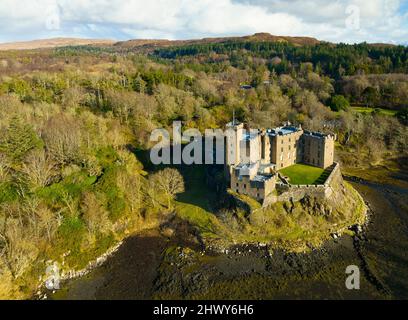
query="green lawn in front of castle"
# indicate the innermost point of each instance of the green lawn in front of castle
(302, 174)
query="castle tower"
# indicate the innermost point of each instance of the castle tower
(234, 134)
(285, 146)
(318, 149)
(328, 154)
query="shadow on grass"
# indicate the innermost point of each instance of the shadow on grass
(197, 189)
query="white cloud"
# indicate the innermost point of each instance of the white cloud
(380, 20)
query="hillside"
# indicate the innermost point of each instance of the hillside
(148, 45)
(52, 43)
(261, 37)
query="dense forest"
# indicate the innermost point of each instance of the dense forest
(71, 120)
(332, 60)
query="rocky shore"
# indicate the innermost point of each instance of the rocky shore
(178, 269)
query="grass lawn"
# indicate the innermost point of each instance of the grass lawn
(302, 174)
(385, 112)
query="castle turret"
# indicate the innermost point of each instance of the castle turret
(328, 154)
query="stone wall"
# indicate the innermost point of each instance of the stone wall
(335, 174)
(284, 149)
(288, 192)
(259, 191)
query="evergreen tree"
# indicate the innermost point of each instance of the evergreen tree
(19, 139)
(339, 102)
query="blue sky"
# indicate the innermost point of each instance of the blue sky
(338, 21)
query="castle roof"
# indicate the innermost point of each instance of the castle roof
(250, 135)
(283, 130)
(247, 169)
(316, 134)
(262, 178)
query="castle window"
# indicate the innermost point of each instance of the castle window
(244, 186)
(237, 184)
(257, 195)
(289, 139)
(281, 149)
(289, 147)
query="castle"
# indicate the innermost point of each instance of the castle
(254, 157)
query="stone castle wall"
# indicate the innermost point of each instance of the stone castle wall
(288, 192)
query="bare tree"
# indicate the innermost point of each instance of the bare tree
(131, 186)
(48, 222)
(39, 219)
(38, 169)
(71, 204)
(95, 214)
(170, 182)
(62, 139)
(73, 96)
(18, 248)
(150, 194)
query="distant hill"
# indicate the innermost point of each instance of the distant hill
(265, 37)
(151, 44)
(52, 43)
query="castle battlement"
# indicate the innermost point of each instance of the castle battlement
(319, 135)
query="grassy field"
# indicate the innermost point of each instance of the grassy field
(385, 112)
(302, 174)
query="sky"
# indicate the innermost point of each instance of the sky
(347, 21)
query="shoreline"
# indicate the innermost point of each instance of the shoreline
(245, 261)
(77, 274)
(265, 250)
